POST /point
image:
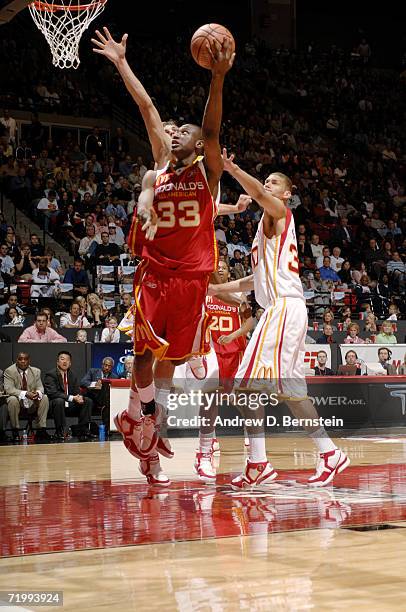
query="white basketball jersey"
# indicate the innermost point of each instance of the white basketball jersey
(276, 265)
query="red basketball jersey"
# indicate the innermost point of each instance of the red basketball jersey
(226, 320)
(185, 243)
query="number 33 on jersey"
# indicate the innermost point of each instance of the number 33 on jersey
(275, 264)
(185, 243)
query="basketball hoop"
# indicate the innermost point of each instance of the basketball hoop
(63, 23)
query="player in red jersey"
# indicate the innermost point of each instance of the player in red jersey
(172, 279)
(231, 321)
(160, 135)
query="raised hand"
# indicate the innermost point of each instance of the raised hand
(222, 56)
(107, 46)
(229, 165)
(243, 202)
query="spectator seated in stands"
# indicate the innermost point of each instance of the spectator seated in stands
(327, 336)
(87, 245)
(353, 338)
(74, 318)
(110, 333)
(12, 302)
(363, 290)
(51, 322)
(116, 234)
(126, 303)
(48, 206)
(96, 310)
(394, 312)
(351, 366)
(36, 248)
(328, 318)
(81, 336)
(66, 399)
(12, 318)
(23, 385)
(44, 280)
(370, 323)
(53, 262)
(321, 369)
(24, 263)
(7, 266)
(107, 253)
(78, 277)
(40, 332)
(382, 367)
(128, 367)
(386, 335)
(116, 210)
(396, 268)
(327, 272)
(99, 392)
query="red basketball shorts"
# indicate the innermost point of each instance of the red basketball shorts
(169, 315)
(228, 366)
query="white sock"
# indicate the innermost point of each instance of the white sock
(257, 449)
(205, 441)
(147, 394)
(322, 440)
(134, 405)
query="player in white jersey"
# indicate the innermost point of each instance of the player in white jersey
(276, 349)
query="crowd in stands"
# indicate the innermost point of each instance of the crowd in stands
(329, 119)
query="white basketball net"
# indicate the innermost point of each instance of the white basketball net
(63, 23)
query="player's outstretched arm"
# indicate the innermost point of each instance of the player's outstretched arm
(222, 60)
(231, 209)
(241, 331)
(115, 52)
(235, 286)
(254, 188)
(145, 210)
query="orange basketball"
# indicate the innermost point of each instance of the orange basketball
(201, 39)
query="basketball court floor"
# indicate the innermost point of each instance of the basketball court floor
(79, 518)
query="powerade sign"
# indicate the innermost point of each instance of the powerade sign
(117, 351)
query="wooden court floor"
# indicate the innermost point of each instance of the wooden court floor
(79, 518)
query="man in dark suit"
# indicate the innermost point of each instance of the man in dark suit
(99, 391)
(343, 237)
(65, 398)
(24, 388)
(3, 411)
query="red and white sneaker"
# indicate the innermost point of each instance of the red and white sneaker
(131, 430)
(329, 464)
(204, 468)
(198, 366)
(150, 430)
(151, 468)
(164, 448)
(254, 474)
(215, 447)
